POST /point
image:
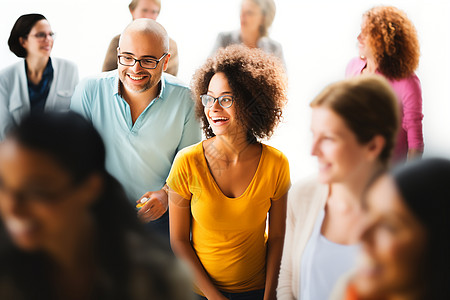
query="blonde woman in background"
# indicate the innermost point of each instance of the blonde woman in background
(256, 18)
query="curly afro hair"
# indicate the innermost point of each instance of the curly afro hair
(393, 40)
(259, 85)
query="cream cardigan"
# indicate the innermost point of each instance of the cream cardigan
(306, 199)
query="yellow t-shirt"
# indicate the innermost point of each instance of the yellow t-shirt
(228, 234)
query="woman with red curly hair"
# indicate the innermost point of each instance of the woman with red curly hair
(388, 45)
(223, 188)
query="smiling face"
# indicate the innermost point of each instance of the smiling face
(393, 244)
(36, 46)
(145, 9)
(222, 120)
(39, 205)
(251, 16)
(340, 155)
(140, 45)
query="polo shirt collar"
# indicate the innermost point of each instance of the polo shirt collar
(161, 92)
(163, 87)
(116, 84)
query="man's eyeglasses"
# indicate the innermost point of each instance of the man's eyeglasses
(146, 63)
(43, 35)
(225, 101)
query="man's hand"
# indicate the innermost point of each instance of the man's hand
(154, 207)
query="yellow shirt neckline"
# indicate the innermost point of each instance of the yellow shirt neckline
(216, 186)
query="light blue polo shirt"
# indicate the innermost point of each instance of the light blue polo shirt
(139, 155)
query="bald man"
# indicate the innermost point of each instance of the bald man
(145, 117)
(142, 9)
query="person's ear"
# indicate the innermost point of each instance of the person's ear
(375, 147)
(91, 189)
(166, 62)
(22, 41)
(132, 13)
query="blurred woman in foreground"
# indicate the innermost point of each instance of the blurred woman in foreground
(354, 124)
(67, 230)
(405, 240)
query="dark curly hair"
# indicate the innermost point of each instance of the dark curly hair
(258, 83)
(393, 39)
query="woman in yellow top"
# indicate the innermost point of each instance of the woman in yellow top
(222, 189)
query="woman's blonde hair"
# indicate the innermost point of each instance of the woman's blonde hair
(268, 10)
(133, 4)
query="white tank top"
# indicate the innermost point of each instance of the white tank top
(322, 263)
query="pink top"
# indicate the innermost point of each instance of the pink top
(409, 94)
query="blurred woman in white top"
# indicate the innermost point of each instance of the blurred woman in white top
(354, 125)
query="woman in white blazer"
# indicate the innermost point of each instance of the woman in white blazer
(38, 82)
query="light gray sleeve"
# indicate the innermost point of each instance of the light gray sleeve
(221, 41)
(279, 53)
(6, 120)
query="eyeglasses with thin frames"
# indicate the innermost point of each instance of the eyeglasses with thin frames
(43, 35)
(225, 101)
(145, 63)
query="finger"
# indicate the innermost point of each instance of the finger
(143, 212)
(141, 202)
(146, 195)
(154, 203)
(157, 213)
(145, 216)
(154, 213)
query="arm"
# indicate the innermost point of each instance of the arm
(219, 43)
(174, 60)
(6, 120)
(414, 154)
(180, 220)
(277, 225)
(279, 53)
(110, 62)
(284, 290)
(412, 116)
(155, 205)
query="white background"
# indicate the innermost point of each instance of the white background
(318, 38)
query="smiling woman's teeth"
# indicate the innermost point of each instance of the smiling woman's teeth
(219, 119)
